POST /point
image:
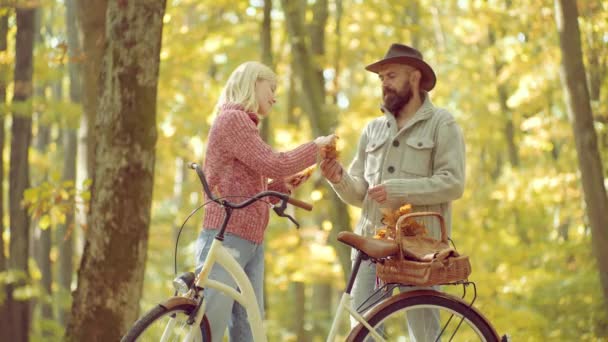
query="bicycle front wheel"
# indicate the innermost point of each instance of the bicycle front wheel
(425, 315)
(167, 322)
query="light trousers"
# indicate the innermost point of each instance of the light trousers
(222, 310)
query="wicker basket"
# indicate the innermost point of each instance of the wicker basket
(423, 261)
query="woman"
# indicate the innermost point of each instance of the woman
(239, 163)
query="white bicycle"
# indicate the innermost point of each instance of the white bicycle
(383, 317)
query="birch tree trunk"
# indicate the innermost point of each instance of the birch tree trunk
(19, 173)
(42, 236)
(65, 233)
(41, 240)
(110, 278)
(91, 16)
(92, 19)
(579, 108)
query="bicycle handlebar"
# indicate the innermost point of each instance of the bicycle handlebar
(299, 204)
(280, 195)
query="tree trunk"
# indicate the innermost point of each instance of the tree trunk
(266, 53)
(411, 19)
(312, 99)
(65, 233)
(438, 30)
(317, 42)
(322, 310)
(110, 278)
(597, 68)
(312, 83)
(338, 47)
(579, 108)
(298, 312)
(92, 20)
(42, 236)
(4, 312)
(19, 173)
(41, 242)
(502, 93)
(91, 16)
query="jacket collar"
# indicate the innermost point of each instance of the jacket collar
(425, 111)
(237, 106)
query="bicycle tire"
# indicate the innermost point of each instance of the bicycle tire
(176, 305)
(447, 304)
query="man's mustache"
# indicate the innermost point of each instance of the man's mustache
(388, 90)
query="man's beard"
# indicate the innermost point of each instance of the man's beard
(395, 101)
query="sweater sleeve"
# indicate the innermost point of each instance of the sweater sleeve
(278, 185)
(352, 188)
(248, 147)
(447, 181)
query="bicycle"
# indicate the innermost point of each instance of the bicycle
(182, 317)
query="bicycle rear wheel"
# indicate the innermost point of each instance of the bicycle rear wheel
(433, 316)
(153, 324)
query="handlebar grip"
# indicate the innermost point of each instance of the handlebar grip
(299, 204)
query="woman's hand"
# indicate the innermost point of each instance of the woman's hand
(324, 141)
(298, 179)
(327, 146)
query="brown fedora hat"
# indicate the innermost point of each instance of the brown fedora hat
(403, 54)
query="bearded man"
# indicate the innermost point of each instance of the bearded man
(414, 153)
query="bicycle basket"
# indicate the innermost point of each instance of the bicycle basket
(422, 260)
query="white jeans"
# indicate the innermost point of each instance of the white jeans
(423, 324)
(220, 309)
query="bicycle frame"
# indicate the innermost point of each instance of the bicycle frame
(346, 305)
(220, 255)
(246, 297)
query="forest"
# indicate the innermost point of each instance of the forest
(104, 104)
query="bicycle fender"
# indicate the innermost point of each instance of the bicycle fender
(174, 301)
(388, 301)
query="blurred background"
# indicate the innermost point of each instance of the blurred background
(523, 219)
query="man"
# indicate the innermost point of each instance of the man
(414, 154)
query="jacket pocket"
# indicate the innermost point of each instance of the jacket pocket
(373, 159)
(417, 156)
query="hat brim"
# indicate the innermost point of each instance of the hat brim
(428, 75)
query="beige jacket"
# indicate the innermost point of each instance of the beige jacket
(422, 164)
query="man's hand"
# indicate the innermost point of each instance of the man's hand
(378, 193)
(332, 170)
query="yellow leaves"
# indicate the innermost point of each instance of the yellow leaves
(50, 202)
(44, 222)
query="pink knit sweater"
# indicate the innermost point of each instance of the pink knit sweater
(239, 163)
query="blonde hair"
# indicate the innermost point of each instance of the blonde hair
(240, 87)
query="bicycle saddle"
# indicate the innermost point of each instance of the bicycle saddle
(374, 248)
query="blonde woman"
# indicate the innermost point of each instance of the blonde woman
(239, 163)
